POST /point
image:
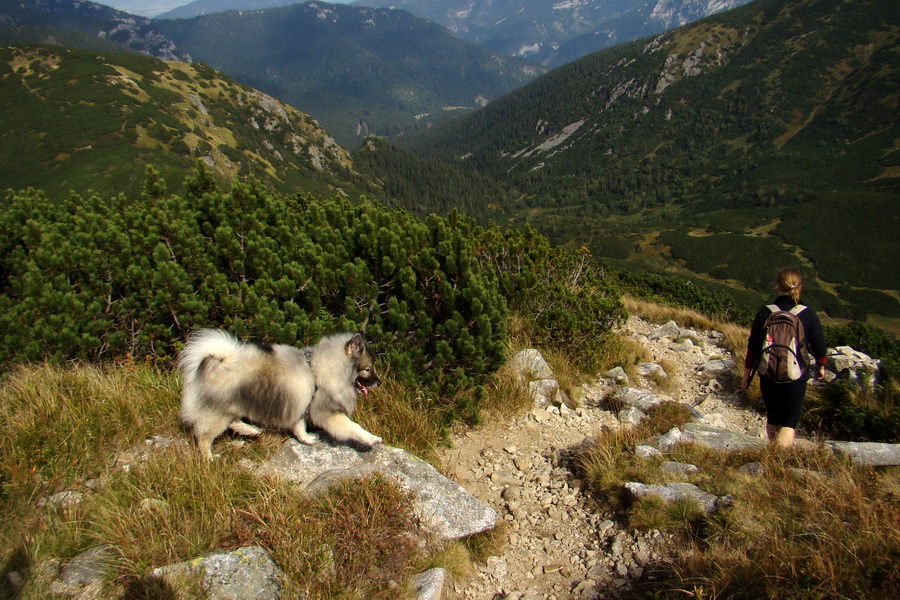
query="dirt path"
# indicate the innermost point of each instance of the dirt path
(561, 544)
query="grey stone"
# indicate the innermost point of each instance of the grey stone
(641, 399)
(543, 391)
(530, 365)
(83, 576)
(644, 451)
(66, 499)
(873, 454)
(673, 492)
(678, 468)
(754, 469)
(717, 368)
(444, 507)
(618, 374)
(631, 416)
(648, 369)
(683, 346)
(430, 584)
(670, 331)
(695, 414)
(669, 440)
(247, 572)
(717, 438)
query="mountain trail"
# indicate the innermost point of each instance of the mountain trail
(561, 544)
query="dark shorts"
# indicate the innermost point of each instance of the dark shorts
(784, 401)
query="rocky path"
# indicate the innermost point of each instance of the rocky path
(561, 544)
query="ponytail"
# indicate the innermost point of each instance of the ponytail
(790, 282)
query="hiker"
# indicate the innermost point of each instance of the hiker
(781, 381)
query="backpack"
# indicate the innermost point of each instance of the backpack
(780, 360)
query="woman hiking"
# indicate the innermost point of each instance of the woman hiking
(784, 388)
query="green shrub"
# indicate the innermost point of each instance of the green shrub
(101, 279)
(568, 300)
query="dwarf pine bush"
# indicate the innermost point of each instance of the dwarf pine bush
(94, 278)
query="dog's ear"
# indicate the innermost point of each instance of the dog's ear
(356, 345)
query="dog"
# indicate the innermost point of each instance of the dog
(227, 382)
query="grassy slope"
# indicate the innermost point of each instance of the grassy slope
(80, 120)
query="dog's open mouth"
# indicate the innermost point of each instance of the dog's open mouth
(362, 389)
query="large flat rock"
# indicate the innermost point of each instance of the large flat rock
(444, 506)
(720, 439)
(873, 454)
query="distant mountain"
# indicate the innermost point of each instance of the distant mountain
(754, 138)
(199, 8)
(357, 70)
(554, 32)
(55, 21)
(79, 120)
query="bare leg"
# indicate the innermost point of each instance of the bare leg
(785, 437)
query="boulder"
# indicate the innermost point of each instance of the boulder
(529, 365)
(677, 468)
(430, 584)
(631, 416)
(714, 369)
(247, 572)
(641, 399)
(717, 438)
(83, 576)
(649, 369)
(645, 451)
(669, 331)
(443, 506)
(618, 375)
(544, 391)
(533, 372)
(873, 454)
(673, 492)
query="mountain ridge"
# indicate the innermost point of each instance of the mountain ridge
(357, 70)
(83, 120)
(90, 18)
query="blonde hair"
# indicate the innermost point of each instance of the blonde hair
(790, 282)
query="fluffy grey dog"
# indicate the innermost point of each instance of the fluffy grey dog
(275, 385)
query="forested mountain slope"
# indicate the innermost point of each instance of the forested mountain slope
(357, 70)
(79, 120)
(754, 138)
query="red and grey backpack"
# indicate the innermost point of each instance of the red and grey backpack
(781, 360)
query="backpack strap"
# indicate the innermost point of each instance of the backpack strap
(799, 308)
(773, 308)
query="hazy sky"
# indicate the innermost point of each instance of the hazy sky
(151, 8)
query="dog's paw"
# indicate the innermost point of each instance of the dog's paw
(371, 440)
(308, 438)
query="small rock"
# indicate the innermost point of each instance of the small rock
(678, 468)
(644, 451)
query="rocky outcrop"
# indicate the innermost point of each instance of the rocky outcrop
(854, 365)
(443, 506)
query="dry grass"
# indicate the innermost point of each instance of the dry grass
(64, 428)
(735, 336)
(811, 526)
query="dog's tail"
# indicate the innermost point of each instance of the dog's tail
(212, 344)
